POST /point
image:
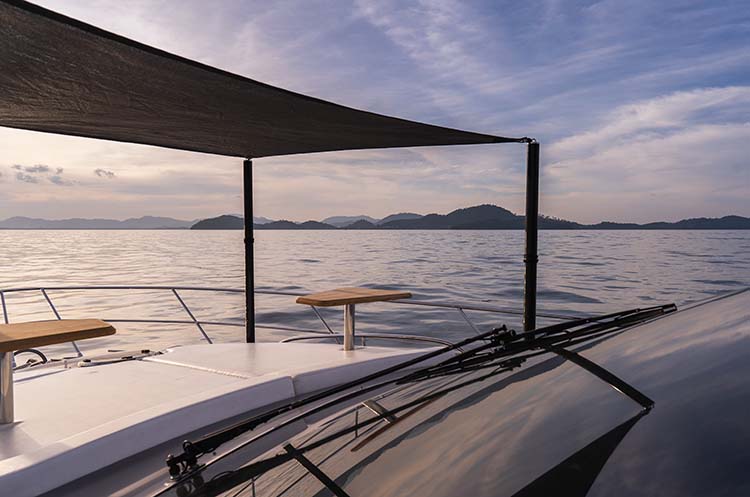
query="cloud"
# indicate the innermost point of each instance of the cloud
(58, 180)
(679, 155)
(103, 173)
(32, 174)
(660, 116)
(26, 178)
(39, 168)
(438, 35)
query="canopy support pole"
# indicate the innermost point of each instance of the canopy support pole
(531, 256)
(247, 185)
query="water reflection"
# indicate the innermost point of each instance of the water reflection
(577, 473)
(492, 436)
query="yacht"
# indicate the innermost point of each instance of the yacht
(641, 401)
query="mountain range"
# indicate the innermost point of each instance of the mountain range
(478, 217)
(140, 223)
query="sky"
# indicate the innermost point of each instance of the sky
(642, 109)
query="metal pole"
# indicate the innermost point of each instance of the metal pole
(531, 256)
(6, 387)
(247, 185)
(349, 327)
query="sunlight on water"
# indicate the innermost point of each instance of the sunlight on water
(581, 272)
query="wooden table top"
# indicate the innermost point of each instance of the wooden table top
(345, 296)
(40, 333)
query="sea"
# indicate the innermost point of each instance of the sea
(580, 273)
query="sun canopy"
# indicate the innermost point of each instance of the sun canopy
(60, 75)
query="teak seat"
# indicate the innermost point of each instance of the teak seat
(348, 297)
(19, 336)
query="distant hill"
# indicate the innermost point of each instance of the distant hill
(361, 225)
(315, 225)
(260, 220)
(282, 224)
(553, 223)
(399, 217)
(225, 222)
(478, 217)
(141, 223)
(609, 225)
(256, 219)
(700, 223)
(341, 221)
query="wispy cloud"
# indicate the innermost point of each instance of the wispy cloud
(26, 178)
(31, 169)
(33, 174)
(441, 36)
(662, 115)
(59, 181)
(39, 168)
(687, 148)
(104, 173)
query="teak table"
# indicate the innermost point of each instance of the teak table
(348, 297)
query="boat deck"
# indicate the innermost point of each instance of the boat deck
(66, 417)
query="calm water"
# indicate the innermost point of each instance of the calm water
(580, 272)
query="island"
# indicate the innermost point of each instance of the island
(480, 217)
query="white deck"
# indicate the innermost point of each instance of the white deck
(71, 422)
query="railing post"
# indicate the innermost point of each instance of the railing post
(192, 316)
(349, 327)
(6, 388)
(531, 256)
(247, 184)
(5, 309)
(468, 321)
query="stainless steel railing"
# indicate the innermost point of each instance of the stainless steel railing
(199, 323)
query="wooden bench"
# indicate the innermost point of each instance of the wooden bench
(348, 297)
(21, 336)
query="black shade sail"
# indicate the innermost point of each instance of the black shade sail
(60, 75)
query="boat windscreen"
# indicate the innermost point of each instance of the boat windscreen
(500, 351)
(63, 76)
